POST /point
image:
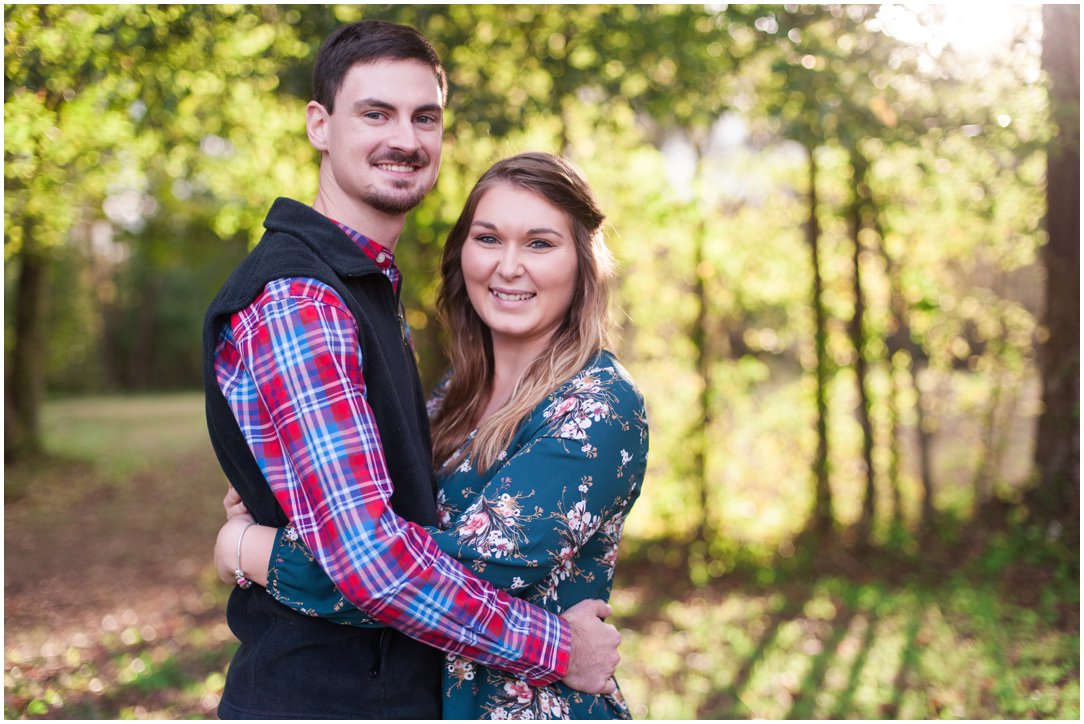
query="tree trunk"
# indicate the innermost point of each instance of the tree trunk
(894, 446)
(902, 340)
(25, 384)
(917, 362)
(982, 484)
(858, 340)
(822, 519)
(1057, 452)
(702, 430)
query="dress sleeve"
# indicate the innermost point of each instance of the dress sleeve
(295, 579)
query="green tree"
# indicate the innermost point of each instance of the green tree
(65, 128)
(1057, 454)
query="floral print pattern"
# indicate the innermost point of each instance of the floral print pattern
(545, 525)
(494, 526)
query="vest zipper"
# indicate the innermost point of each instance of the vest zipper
(402, 324)
(381, 652)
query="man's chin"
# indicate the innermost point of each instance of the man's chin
(396, 203)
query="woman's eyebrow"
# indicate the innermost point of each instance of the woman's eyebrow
(536, 230)
(545, 230)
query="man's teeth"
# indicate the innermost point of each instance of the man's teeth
(396, 167)
(512, 297)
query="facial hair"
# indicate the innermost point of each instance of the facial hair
(406, 196)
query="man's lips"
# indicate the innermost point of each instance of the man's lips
(397, 167)
(402, 164)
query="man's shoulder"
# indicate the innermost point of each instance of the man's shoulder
(300, 289)
(277, 256)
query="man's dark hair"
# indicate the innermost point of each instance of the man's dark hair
(369, 41)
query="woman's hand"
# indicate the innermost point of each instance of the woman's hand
(233, 504)
(226, 545)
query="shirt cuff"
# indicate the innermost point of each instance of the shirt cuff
(564, 656)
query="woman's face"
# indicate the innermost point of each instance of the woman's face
(519, 265)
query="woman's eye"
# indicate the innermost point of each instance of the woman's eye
(539, 244)
(485, 239)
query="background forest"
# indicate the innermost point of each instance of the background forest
(849, 247)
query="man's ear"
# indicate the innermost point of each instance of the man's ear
(316, 117)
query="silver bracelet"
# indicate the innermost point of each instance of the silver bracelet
(239, 573)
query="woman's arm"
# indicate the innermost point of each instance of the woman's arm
(245, 546)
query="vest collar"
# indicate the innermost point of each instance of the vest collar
(321, 234)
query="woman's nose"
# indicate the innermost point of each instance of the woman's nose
(510, 265)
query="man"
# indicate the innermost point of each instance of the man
(316, 413)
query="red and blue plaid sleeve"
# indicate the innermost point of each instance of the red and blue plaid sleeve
(290, 366)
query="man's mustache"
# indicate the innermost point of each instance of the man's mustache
(418, 158)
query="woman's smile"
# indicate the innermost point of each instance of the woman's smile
(520, 265)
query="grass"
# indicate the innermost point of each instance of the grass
(830, 647)
(112, 610)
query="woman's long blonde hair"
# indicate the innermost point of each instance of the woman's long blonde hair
(582, 334)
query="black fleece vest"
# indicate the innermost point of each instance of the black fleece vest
(290, 665)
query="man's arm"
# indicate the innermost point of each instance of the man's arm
(320, 451)
(593, 658)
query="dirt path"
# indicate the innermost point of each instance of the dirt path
(96, 576)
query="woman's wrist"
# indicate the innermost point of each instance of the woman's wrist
(239, 571)
(256, 548)
(255, 544)
(226, 547)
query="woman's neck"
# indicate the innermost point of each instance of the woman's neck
(510, 362)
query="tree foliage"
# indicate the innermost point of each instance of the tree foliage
(143, 145)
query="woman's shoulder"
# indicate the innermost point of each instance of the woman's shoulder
(603, 374)
(602, 392)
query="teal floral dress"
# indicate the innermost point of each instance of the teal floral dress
(543, 523)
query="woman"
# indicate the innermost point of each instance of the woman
(541, 434)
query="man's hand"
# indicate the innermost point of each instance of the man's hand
(594, 654)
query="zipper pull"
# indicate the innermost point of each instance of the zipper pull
(402, 325)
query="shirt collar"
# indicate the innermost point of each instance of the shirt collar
(381, 255)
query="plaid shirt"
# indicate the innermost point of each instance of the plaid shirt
(290, 367)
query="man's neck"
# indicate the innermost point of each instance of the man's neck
(382, 228)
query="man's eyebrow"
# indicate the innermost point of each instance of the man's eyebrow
(366, 103)
(369, 103)
(430, 108)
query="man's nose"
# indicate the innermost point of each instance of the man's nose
(404, 136)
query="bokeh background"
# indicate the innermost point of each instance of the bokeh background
(849, 245)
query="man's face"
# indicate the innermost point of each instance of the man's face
(383, 141)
